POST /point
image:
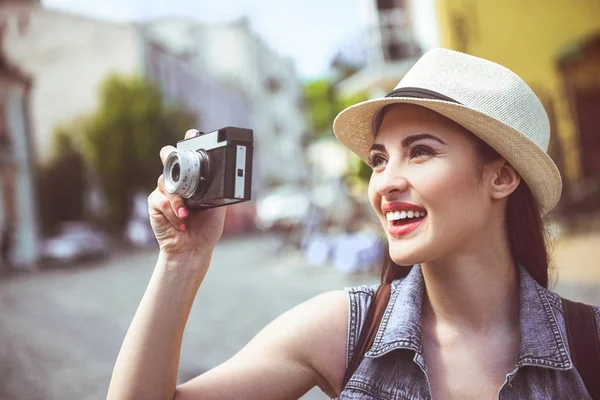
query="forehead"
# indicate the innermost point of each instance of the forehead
(401, 120)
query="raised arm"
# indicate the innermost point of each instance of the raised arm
(302, 348)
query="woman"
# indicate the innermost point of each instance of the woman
(460, 181)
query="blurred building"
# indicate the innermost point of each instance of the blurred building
(69, 56)
(237, 58)
(223, 74)
(18, 214)
(555, 47)
(392, 36)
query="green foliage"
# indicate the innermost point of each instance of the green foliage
(319, 97)
(122, 138)
(62, 183)
(324, 103)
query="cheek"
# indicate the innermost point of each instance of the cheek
(451, 193)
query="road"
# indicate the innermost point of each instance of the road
(61, 329)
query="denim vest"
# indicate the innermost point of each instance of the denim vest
(394, 368)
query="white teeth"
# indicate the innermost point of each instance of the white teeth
(397, 215)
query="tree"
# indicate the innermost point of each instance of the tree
(62, 183)
(122, 138)
(324, 103)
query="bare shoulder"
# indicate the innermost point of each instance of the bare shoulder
(319, 334)
(302, 348)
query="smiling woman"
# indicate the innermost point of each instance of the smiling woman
(460, 183)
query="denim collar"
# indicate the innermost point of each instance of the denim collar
(542, 344)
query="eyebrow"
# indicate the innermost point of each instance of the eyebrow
(407, 141)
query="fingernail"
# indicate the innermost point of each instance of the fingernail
(182, 227)
(182, 212)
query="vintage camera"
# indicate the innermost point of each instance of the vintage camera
(213, 169)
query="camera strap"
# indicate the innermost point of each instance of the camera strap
(582, 332)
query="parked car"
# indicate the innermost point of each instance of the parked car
(76, 241)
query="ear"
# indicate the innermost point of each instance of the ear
(503, 179)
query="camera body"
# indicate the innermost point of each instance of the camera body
(213, 169)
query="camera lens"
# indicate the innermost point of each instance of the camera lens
(182, 172)
(175, 172)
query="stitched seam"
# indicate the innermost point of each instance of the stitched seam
(352, 328)
(554, 299)
(363, 291)
(404, 344)
(554, 325)
(541, 361)
(384, 320)
(349, 333)
(367, 388)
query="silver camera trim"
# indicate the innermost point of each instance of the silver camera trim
(240, 172)
(206, 141)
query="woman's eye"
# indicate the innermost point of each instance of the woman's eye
(376, 160)
(421, 151)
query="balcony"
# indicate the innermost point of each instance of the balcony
(381, 54)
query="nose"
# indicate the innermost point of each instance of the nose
(391, 182)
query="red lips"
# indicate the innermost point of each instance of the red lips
(399, 206)
(399, 230)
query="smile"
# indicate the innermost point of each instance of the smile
(403, 217)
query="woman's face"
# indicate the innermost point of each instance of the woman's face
(424, 167)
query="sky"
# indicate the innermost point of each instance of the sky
(308, 31)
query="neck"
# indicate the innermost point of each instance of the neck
(475, 290)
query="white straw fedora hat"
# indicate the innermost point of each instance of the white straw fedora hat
(485, 98)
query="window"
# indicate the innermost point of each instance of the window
(273, 85)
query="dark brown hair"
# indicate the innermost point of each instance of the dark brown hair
(524, 223)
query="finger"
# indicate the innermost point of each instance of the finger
(159, 203)
(192, 133)
(176, 202)
(164, 153)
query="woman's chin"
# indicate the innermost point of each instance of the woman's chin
(404, 260)
(407, 255)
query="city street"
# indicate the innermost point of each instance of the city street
(61, 329)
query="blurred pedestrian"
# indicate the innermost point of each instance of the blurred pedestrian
(460, 183)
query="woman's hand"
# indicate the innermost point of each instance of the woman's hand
(181, 232)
